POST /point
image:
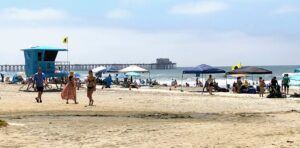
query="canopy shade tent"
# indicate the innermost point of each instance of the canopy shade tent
(202, 69)
(251, 70)
(133, 68)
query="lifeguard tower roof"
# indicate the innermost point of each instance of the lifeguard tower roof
(46, 48)
(43, 57)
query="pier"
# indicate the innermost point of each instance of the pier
(160, 64)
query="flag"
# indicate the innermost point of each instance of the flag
(237, 66)
(65, 40)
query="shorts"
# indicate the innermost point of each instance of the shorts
(91, 88)
(285, 86)
(40, 89)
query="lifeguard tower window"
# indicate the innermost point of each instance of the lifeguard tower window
(39, 56)
(50, 55)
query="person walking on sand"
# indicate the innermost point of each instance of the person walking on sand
(286, 83)
(69, 91)
(210, 84)
(262, 86)
(91, 87)
(39, 80)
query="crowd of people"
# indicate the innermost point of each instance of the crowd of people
(274, 88)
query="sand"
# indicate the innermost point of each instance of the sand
(148, 117)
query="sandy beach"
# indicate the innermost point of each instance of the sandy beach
(148, 117)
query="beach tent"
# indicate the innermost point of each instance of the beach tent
(250, 70)
(133, 68)
(201, 69)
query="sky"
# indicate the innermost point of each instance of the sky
(189, 32)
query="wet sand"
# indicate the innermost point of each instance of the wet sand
(148, 118)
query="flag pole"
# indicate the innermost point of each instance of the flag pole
(68, 55)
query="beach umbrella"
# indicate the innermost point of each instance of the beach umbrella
(133, 74)
(112, 69)
(76, 75)
(133, 68)
(100, 69)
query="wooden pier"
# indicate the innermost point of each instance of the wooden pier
(85, 67)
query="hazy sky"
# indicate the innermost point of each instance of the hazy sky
(189, 32)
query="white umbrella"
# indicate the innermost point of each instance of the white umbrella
(133, 68)
(99, 69)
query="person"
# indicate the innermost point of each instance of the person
(274, 82)
(69, 92)
(262, 86)
(173, 83)
(246, 83)
(187, 84)
(210, 84)
(274, 89)
(2, 77)
(108, 81)
(239, 84)
(39, 79)
(285, 83)
(78, 83)
(91, 87)
(234, 87)
(197, 82)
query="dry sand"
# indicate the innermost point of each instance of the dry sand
(148, 118)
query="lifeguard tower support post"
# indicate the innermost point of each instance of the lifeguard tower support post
(44, 57)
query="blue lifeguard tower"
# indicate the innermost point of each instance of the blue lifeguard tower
(44, 57)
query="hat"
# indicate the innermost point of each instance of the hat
(72, 73)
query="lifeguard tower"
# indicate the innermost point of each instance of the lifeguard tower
(44, 57)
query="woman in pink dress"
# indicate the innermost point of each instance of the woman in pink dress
(69, 91)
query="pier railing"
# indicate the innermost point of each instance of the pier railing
(65, 65)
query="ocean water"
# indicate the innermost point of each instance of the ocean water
(167, 76)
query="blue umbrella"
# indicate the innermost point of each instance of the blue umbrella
(77, 75)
